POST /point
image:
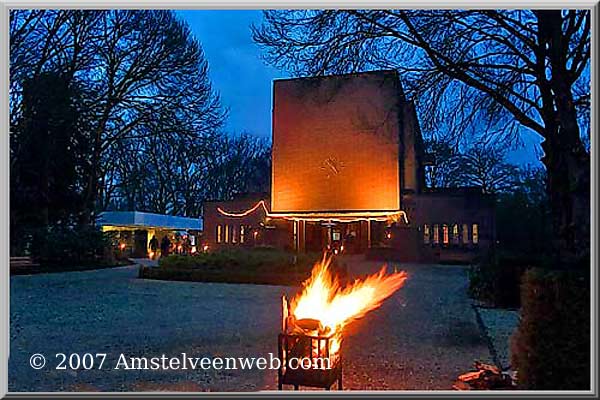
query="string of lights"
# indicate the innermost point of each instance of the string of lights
(333, 217)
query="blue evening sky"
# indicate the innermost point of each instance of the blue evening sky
(244, 81)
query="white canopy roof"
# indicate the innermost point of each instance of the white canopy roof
(150, 220)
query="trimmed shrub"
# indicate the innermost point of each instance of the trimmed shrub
(251, 260)
(497, 283)
(551, 347)
(257, 265)
(60, 246)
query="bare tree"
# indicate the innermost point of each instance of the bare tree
(484, 166)
(133, 65)
(238, 165)
(512, 70)
(442, 163)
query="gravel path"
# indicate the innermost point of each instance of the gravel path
(421, 338)
(500, 325)
(146, 262)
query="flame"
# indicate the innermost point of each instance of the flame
(323, 299)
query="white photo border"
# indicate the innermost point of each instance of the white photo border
(7, 5)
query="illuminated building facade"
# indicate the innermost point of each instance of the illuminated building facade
(348, 172)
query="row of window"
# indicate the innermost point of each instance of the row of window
(233, 233)
(450, 234)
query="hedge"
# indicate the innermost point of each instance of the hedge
(257, 266)
(551, 346)
(69, 247)
(496, 284)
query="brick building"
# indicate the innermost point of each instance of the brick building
(348, 172)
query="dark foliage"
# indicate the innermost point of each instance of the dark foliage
(497, 281)
(63, 246)
(551, 347)
(524, 239)
(524, 224)
(47, 166)
(257, 266)
(251, 260)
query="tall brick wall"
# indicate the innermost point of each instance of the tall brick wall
(336, 143)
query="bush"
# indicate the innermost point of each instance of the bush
(70, 246)
(551, 347)
(497, 282)
(256, 265)
(252, 260)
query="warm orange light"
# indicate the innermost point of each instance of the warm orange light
(205, 248)
(151, 254)
(333, 306)
(247, 212)
(312, 171)
(388, 235)
(342, 248)
(389, 216)
(122, 246)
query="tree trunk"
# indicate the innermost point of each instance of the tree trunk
(569, 193)
(566, 160)
(91, 193)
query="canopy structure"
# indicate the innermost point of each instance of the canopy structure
(148, 220)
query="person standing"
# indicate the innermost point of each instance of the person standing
(165, 244)
(153, 246)
(187, 245)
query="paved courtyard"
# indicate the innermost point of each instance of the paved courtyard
(422, 338)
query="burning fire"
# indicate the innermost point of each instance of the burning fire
(324, 308)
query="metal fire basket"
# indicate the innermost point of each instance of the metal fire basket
(325, 368)
(297, 351)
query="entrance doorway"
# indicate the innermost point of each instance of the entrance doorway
(347, 236)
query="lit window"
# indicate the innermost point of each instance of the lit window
(465, 234)
(426, 234)
(445, 237)
(242, 233)
(219, 233)
(226, 233)
(233, 234)
(455, 235)
(475, 233)
(436, 234)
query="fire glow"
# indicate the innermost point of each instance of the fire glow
(324, 307)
